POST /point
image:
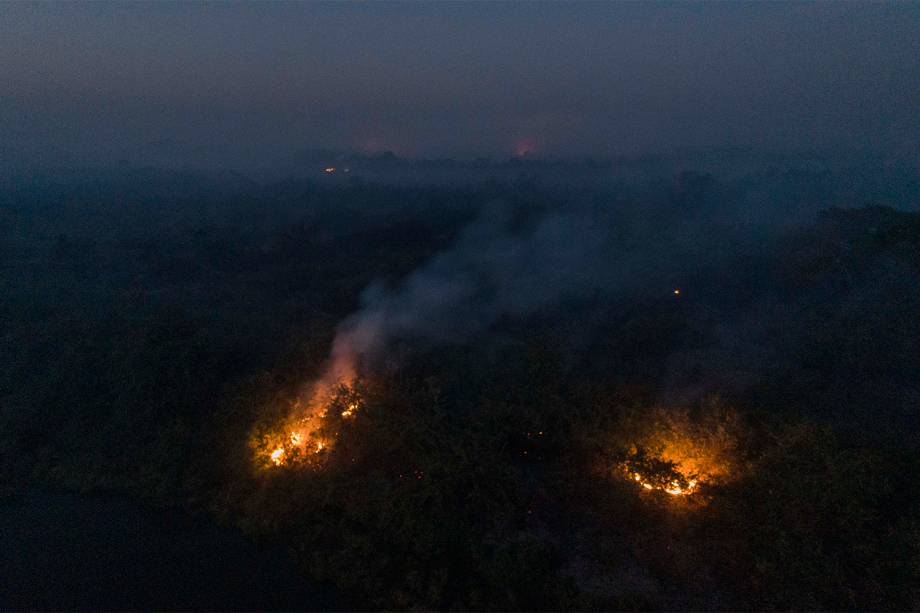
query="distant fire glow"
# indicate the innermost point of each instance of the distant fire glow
(525, 146)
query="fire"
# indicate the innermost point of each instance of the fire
(310, 429)
(673, 487)
(674, 453)
(301, 445)
(675, 490)
(302, 438)
(350, 409)
(308, 432)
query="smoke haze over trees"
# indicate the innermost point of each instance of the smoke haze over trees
(460, 306)
(516, 334)
(244, 86)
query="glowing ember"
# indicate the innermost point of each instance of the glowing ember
(675, 490)
(673, 487)
(350, 409)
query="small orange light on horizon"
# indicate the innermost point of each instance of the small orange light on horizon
(525, 146)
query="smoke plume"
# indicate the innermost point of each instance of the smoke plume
(492, 270)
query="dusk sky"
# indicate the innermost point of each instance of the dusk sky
(462, 79)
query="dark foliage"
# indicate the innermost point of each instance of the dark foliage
(151, 321)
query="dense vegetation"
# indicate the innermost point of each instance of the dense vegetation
(151, 321)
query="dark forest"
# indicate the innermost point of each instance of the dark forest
(569, 385)
(475, 306)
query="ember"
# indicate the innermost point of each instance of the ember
(673, 487)
(309, 431)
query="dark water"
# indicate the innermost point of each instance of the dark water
(70, 551)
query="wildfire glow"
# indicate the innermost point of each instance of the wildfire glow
(310, 428)
(673, 487)
(303, 437)
(525, 146)
(676, 454)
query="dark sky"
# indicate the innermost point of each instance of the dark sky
(459, 79)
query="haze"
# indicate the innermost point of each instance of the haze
(253, 83)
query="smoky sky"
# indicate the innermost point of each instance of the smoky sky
(460, 79)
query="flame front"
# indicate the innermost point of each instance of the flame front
(301, 438)
(672, 452)
(673, 488)
(309, 430)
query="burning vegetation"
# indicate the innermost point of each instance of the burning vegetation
(679, 453)
(514, 462)
(310, 427)
(312, 421)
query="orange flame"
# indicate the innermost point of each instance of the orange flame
(301, 438)
(673, 452)
(673, 488)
